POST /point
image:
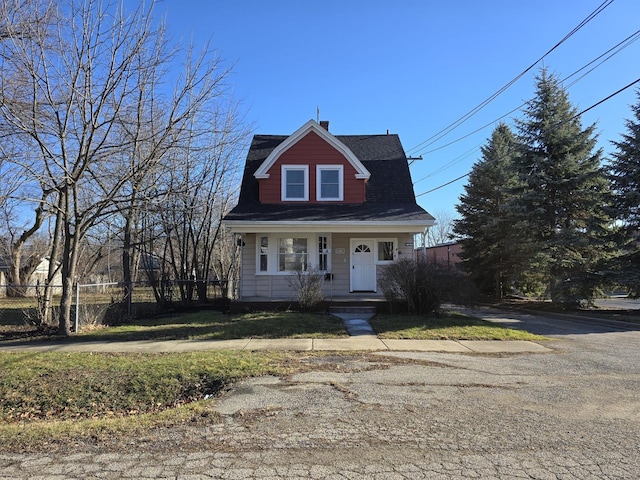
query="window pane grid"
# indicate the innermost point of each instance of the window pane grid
(329, 182)
(323, 257)
(294, 182)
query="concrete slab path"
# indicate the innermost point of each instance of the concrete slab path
(356, 343)
(356, 323)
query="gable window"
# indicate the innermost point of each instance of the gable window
(292, 254)
(329, 183)
(295, 182)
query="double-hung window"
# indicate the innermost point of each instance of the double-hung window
(329, 183)
(295, 183)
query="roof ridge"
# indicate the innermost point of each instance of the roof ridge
(337, 135)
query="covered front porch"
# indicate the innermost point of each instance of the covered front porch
(351, 262)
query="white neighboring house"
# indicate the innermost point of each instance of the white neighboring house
(39, 276)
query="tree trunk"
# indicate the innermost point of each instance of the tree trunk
(16, 285)
(71, 240)
(127, 259)
(47, 298)
(69, 267)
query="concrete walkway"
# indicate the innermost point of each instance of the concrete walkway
(354, 343)
(356, 323)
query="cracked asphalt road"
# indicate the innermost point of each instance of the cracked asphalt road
(572, 414)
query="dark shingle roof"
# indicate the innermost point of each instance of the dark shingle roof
(389, 190)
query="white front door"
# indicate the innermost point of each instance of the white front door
(363, 267)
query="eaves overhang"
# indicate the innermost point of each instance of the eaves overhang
(398, 226)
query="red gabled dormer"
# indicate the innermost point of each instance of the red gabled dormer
(312, 166)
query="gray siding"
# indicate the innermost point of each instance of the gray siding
(248, 283)
(340, 264)
(280, 287)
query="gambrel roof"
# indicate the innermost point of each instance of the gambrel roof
(389, 196)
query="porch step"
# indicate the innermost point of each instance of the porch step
(354, 309)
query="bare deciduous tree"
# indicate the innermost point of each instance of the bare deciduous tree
(86, 93)
(29, 21)
(198, 195)
(441, 231)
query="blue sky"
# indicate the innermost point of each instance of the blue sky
(413, 68)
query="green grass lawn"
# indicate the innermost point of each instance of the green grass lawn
(448, 326)
(60, 396)
(55, 397)
(214, 325)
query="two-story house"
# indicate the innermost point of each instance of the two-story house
(341, 204)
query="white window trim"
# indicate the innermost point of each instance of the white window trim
(283, 181)
(340, 169)
(395, 250)
(272, 255)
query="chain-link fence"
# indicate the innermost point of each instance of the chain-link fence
(115, 302)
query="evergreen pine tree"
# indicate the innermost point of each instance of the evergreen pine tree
(625, 181)
(564, 196)
(485, 235)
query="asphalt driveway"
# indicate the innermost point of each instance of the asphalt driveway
(571, 414)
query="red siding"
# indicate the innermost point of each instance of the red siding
(311, 150)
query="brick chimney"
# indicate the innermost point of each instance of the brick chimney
(325, 124)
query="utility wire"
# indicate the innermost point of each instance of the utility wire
(434, 138)
(466, 154)
(567, 120)
(443, 185)
(615, 49)
(604, 99)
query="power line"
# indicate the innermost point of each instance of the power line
(434, 138)
(449, 164)
(615, 49)
(605, 99)
(600, 102)
(443, 185)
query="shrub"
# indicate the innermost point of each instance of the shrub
(424, 285)
(308, 285)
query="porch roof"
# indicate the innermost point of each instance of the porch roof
(356, 217)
